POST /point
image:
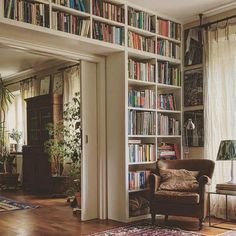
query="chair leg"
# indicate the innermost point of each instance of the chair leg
(200, 223)
(166, 218)
(153, 218)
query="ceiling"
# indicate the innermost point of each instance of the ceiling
(14, 61)
(182, 10)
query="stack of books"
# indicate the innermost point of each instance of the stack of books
(226, 188)
(168, 49)
(75, 4)
(167, 125)
(168, 151)
(166, 101)
(138, 179)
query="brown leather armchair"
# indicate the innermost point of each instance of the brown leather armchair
(192, 204)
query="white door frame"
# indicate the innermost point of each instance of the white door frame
(101, 105)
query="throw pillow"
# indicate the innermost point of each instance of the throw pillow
(179, 180)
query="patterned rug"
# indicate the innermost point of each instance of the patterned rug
(12, 205)
(145, 229)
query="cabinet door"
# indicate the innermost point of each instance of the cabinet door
(46, 117)
(33, 127)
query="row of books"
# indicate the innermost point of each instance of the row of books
(141, 20)
(140, 42)
(168, 151)
(80, 5)
(168, 28)
(167, 125)
(141, 123)
(168, 48)
(108, 33)
(139, 152)
(141, 71)
(141, 98)
(138, 179)
(166, 101)
(168, 74)
(109, 10)
(69, 23)
(29, 12)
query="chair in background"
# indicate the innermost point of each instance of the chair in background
(178, 188)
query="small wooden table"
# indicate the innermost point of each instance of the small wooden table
(226, 194)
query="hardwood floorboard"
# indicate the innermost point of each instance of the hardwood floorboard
(55, 218)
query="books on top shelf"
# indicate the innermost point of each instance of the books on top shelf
(141, 71)
(168, 151)
(141, 123)
(109, 11)
(69, 23)
(139, 152)
(138, 179)
(27, 11)
(166, 101)
(168, 28)
(108, 33)
(168, 74)
(167, 125)
(140, 42)
(141, 20)
(168, 49)
(75, 4)
(141, 98)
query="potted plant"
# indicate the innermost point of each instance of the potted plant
(16, 135)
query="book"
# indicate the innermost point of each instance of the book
(168, 49)
(166, 101)
(167, 125)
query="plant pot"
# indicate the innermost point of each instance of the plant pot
(78, 199)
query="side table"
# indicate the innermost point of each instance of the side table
(226, 194)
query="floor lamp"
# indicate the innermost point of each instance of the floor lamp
(189, 125)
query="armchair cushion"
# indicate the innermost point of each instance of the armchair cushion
(187, 198)
(179, 180)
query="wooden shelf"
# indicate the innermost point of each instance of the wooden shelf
(141, 163)
(138, 190)
(169, 136)
(169, 39)
(168, 111)
(141, 109)
(141, 31)
(141, 82)
(105, 20)
(141, 136)
(167, 86)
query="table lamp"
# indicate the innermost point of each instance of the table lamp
(227, 152)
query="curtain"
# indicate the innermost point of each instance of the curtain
(220, 110)
(28, 88)
(71, 83)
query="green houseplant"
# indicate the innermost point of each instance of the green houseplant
(65, 143)
(16, 136)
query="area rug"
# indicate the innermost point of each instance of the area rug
(145, 229)
(12, 205)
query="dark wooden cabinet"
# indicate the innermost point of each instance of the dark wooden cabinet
(41, 110)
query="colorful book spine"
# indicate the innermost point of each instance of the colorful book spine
(109, 11)
(138, 179)
(168, 49)
(108, 33)
(141, 71)
(27, 11)
(141, 123)
(166, 102)
(141, 98)
(167, 125)
(140, 42)
(168, 29)
(141, 20)
(168, 74)
(71, 24)
(141, 153)
(80, 5)
(168, 151)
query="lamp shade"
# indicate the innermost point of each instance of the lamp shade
(227, 150)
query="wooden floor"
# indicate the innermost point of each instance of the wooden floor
(55, 217)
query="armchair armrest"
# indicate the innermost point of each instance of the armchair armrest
(154, 181)
(203, 181)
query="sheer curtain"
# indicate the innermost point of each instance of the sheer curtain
(220, 102)
(28, 88)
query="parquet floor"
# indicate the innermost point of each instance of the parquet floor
(55, 218)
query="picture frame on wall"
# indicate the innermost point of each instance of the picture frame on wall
(193, 88)
(196, 136)
(45, 85)
(193, 47)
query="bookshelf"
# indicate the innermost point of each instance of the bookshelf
(142, 63)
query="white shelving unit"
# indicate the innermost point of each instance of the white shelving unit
(118, 85)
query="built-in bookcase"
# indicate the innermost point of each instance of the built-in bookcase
(144, 93)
